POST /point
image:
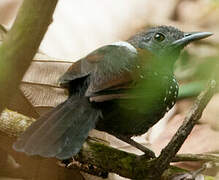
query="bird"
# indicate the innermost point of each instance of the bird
(123, 88)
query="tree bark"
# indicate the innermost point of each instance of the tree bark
(21, 43)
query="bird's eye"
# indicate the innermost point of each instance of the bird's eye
(159, 37)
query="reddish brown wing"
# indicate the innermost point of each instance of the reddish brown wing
(73, 72)
(111, 89)
(127, 68)
(80, 68)
(110, 68)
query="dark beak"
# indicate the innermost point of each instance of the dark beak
(190, 37)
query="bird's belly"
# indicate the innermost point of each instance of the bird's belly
(130, 122)
(136, 116)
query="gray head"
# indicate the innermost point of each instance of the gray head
(165, 41)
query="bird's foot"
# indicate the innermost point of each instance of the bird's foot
(65, 162)
(85, 167)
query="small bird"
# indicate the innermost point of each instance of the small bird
(123, 89)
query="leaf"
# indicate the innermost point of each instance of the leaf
(39, 86)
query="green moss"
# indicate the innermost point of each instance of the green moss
(126, 162)
(172, 170)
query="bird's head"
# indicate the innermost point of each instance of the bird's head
(165, 42)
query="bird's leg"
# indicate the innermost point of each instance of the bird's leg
(148, 152)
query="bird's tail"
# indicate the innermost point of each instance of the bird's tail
(61, 132)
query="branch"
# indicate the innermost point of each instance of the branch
(21, 43)
(169, 152)
(127, 164)
(195, 157)
(106, 158)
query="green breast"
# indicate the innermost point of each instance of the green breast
(151, 100)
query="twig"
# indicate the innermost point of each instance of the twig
(169, 152)
(195, 157)
(195, 174)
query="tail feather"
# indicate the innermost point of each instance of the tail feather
(61, 132)
(74, 141)
(51, 128)
(19, 144)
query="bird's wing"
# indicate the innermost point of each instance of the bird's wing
(73, 72)
(111, 69)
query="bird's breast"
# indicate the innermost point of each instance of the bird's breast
(171, 93)
(156, 95)
(157, 100)
(151, 99)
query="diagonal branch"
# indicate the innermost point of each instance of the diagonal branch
(169, 152)
(21, 43)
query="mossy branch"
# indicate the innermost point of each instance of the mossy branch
(127, 164)
(21, 43)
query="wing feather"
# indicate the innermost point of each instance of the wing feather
(109, 68)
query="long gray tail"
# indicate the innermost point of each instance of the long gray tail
(61, 132)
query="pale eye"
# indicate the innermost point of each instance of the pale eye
(159, 37)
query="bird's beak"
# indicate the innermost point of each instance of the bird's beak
(190, 37)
